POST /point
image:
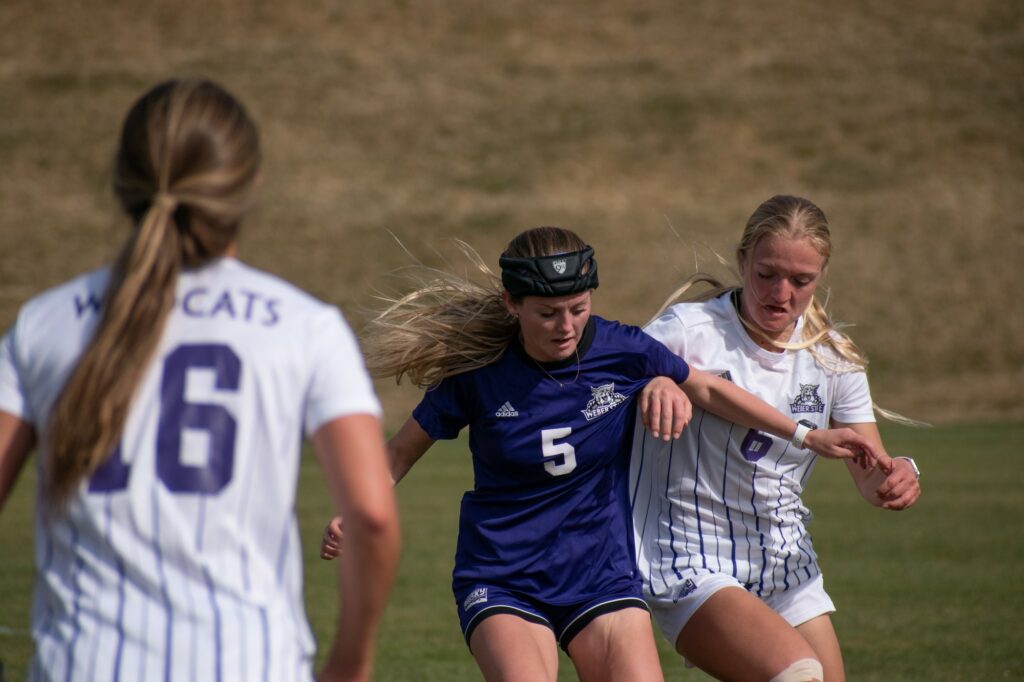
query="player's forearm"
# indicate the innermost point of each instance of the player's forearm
(867, 482)
(729, 401)
(366, 574)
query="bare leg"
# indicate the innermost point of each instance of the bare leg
(736, 636)
(820, 634)
(617, 646)
(510, 649)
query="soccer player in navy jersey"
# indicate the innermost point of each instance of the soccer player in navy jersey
(721, 530)
(548, 390)
(168, 395)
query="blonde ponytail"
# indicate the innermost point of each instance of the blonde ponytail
(184, 173)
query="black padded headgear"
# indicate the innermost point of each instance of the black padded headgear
(557, 275)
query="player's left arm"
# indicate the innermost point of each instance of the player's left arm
(892, 483)
(17, 438)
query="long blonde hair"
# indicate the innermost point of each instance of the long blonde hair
(449, 324)
(184, 173)
(793, 218)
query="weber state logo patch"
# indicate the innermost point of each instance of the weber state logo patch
(807, 401)
(603, 399)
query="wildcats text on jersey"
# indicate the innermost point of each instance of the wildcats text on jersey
(236, 304)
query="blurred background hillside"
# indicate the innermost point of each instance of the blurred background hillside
(652, 127)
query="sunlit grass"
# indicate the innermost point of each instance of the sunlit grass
(927, 594)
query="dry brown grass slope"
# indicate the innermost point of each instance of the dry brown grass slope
(652, 127)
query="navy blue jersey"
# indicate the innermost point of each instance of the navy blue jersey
(549, 513)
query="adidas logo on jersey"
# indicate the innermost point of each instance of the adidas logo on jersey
(507, 410)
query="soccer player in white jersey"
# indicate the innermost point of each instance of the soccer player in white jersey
(545, 555)
(722, 543)
(168, 395)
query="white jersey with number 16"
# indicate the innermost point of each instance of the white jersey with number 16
(179, 558)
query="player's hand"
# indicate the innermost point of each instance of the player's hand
(845, 443)
(664, 408)
(901, 487)
(330, 546)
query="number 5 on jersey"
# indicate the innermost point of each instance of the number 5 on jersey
(559, 458)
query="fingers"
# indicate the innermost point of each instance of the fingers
(670, 413)
(900, 489)
(654, 416)
(886, 463)
(845, 444)
(664, 408)
(900, 496)
(681, 416)
(330, 545)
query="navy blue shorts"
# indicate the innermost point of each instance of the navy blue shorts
(566, 621)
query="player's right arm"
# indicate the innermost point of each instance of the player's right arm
(733, 403)
(352, 456)
(404, 449)
(17, 438)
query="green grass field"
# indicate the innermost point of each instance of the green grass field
(934, 593)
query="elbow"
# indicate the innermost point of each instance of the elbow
(374, 522)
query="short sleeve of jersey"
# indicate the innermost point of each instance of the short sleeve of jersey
(852, 399)
(669, 330)
(665, 362)
(12, 390)
(340, 383)
(440, 412)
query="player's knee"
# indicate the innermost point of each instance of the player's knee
(804, 670)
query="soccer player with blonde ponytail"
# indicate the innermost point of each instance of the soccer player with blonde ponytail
(727, 562)
(169, 394)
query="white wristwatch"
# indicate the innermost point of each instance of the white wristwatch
(913, 465)
(800, 434)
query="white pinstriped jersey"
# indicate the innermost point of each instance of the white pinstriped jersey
(725, 498)
(179, 559)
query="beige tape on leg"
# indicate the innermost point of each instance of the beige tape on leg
(804, 670)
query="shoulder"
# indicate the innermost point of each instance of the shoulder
(93, 282)
(683, 321)
(611, 332)
(76, 299)
(230, 289)
(829, 358)
(701, 313)
(246, 275)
